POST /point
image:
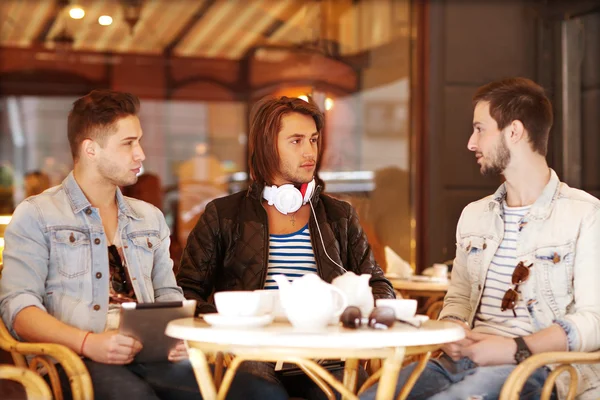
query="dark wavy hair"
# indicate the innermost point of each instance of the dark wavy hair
(265, 124)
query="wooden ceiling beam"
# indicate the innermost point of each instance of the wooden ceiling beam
(42, 35)
(198, 15)
(277, 24)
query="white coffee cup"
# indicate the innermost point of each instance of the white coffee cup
(404, 308)
(241, 303)
(268, 300)
(440, 271)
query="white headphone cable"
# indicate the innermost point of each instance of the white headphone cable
(321, 236)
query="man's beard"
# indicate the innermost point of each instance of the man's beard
(499, 162)
(110, 172)
(295, 178)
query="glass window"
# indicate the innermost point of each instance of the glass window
(198, 72)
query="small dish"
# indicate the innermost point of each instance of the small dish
(417, 321)
(222, 321)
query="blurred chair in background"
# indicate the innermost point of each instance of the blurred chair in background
(36, 182)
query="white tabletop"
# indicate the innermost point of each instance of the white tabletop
(282, 334)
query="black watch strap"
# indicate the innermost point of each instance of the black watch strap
(523, 351)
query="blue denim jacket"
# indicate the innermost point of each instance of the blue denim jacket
(560, 236)
(56, 257)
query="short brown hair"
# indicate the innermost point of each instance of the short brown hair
(520, 99)
(265, 124)
(94, 115)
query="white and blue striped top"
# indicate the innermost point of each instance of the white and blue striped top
(489, 318)
(291, 255)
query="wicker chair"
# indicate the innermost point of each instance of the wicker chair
(562, 360)
(35, 386)
(43, 356)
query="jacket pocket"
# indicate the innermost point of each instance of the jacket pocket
(70, 248)
(144, 246)
(554, 268)
(474, 248)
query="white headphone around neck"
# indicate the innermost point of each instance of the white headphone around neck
(286, 198)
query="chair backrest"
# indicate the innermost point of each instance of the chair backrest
(35, 386)
(8, 345)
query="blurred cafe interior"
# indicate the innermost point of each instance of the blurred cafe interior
(394, 77)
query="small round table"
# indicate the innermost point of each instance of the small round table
(280, 341)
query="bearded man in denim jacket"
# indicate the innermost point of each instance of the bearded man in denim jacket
(75, 252)
(526, 267)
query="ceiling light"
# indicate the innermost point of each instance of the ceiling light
(328, 103)
(76, 13)
(105, 20)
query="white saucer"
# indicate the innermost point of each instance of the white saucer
(223, 321)
(417, 319)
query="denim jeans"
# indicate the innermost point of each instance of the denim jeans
(445, 379)
(163, 380)
(295, 385)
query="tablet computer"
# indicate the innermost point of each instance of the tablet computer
(146, 322)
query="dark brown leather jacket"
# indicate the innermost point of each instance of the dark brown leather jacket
(229, 246)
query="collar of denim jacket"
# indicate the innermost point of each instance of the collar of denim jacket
(125, 206)
(542, 207)
(79, 202)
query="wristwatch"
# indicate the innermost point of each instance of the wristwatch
(523, 351)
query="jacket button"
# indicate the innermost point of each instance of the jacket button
(479, 286)
(149, 244)
(96, 307)
(88, 211)
(97, 241)
(484, 246)
(556, 258)
(72, 238)
(98, 275)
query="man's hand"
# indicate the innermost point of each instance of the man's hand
(111, 348)
(490, 349)
(454, 349)
(179, 353)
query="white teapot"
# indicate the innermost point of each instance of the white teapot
(309, 302)
(357, 291)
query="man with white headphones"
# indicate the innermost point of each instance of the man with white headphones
(283, 224)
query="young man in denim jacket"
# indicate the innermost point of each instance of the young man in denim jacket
(526, 267)
(76, 251)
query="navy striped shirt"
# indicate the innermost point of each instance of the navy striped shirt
(489, 318)
(291, 255)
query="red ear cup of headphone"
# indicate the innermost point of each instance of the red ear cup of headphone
(303, 188)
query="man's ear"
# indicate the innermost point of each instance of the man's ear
(88, 148)
(516, 131)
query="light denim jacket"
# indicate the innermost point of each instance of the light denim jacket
(561, 237)
(56, 257)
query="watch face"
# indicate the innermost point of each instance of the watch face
(521, 355)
